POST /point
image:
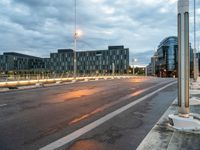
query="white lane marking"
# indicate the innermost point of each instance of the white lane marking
(76, 134)
(2, 105)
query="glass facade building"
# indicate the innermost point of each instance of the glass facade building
(167, 53)
(166, 64)
(17, 62)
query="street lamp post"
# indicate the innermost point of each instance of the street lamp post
(194, 53)
(75, 40)
(75, 62)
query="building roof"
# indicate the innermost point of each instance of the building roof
(164, 42)
(109, 48)
(115, 47)
(65, 50)
(18, 54)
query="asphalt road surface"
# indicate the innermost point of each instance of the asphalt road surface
(32, 119)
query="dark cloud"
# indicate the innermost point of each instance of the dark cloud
(41, 26)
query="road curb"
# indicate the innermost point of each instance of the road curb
(38, 85)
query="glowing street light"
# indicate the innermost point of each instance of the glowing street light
(77, 34)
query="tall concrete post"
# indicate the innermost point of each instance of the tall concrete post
(184, 121)
(113, 69)
(183, 58)
(195, 51)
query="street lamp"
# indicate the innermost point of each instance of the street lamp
(75, 39)
(194, 52)
(77, 34)
(195, 59)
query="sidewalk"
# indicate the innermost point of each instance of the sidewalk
(164, 137)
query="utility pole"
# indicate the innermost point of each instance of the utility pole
(197, 61)
(194, 53)
(75, 41)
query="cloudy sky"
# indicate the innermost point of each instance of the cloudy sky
(38, 27)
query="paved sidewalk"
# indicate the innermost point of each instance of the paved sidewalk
(164, 137)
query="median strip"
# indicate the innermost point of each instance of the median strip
(76, 134)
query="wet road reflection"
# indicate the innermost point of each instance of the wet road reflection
(100, 109)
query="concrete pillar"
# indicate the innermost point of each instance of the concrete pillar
(183, 57)
(195, 63)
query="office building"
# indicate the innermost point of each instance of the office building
(16, 62)
(91, 62)
(164, 63)
(115, 58)
(167, 57)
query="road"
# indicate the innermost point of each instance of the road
(32, 119)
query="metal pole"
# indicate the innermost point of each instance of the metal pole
(197, 60)
(195, 37)
(133, 67)
(75, 40)
(194, 56)
(101, 64)
(183, 57)
(75, 64)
